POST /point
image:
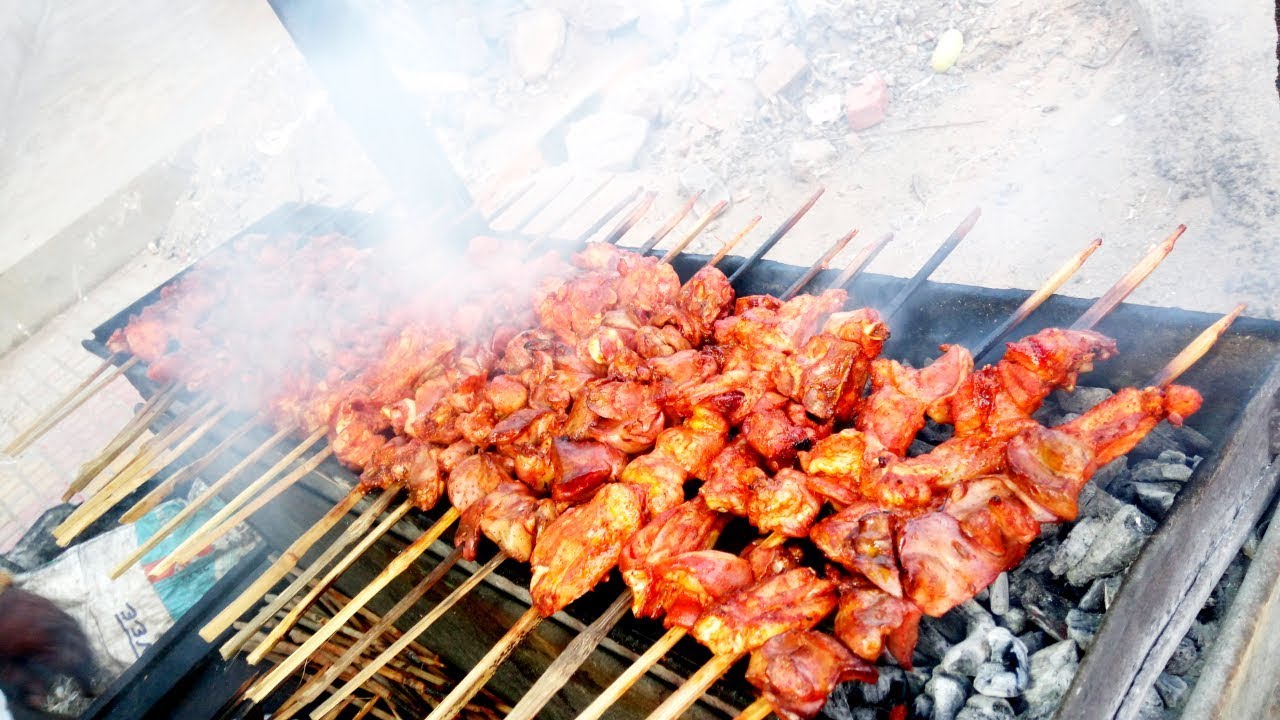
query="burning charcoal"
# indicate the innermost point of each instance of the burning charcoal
(1115, 546)
(986, 708)
(1099, 503)
(1014, 620)
(999, 596)
(1094, 597)
(1156, 497)
(1155, 471)
(1183, 658)
(1176, 457)
(1152, 707)
(1052, 670)
(935, 433)
(1046, 608)
(1172, 689)
(918, 447)
(1110, 587)
(1073, 550)
(1005, 673)
(931, 642)
(1082, 399)
(838, 706)
(953, 626)
(1109, 473)
(1082, 626)
(966, 657)
(890, 678)
(1167, 437)
(947, 693)
(1034, 641)
(916, 680)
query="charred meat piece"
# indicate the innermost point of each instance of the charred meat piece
(864, 328)
(583, 467)
(683, 528)
(783, 504)
(581, 546)
(870, 620)
(861, 538)
(528, 438)
(797, 670)
(687, 584)
(795, 600)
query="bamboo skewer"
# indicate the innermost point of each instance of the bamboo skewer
(162, 491)
(389, 573)
(629, 221)
(783, 229)
(409, 635)
(1129, 282)
(632, 674)
(321, 682)
(860, 261)
(457, 699)
(942, 253)
(194, 506)
(209, 534)
(733, 242)
(758, 710)
(150, 410)
(820, 264)
(608, 214)
(199, 539)
(569, 660)
(1037, 298)
(51, 417)
(356, 529)
(1192, 353)
(687, 694)
(697, 230)
(301, 606)
(662, 232)
(125, 481)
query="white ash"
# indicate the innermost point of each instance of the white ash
(980, 707)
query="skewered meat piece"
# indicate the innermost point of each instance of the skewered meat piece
(686, 585)
(630, 418)
(730, 477)
(707, 297)
(1051, 465)
(870, 620)
(835, 466)
(475, 477)
(864, 328)
(769, 558)
(582, 467)
(763, 322)
(686, 527)
(778, 429)
(902, 396)
(861, 537)
(408, 463)
(783, 503)
(357, 429)
(511, 516)
(506, 394)
(829, 372)
(581, 546)
(680, 452)
(795, 600)
(797, 670)
(528, 438)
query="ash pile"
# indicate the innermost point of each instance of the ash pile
(1013, 650)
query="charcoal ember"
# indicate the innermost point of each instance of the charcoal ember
(1082, 399)
(919, 447)
(1157, 470)
(1034, 641)
(1052, 670)
(844, 705)
(1083, 626)
(1111, 547)
(916, 680)
(1014, 620)
(954, 626)
(976, 617)
(967, 656)
(936, 433)
(1073, 550)
(947, 694)
(892, 681)
(1183, 659)
(1155, 498)
(980, 707)
(1167, 437)
(1097, 502)
(1175, 456)
(1172, 690)
(1110, 473)
(1046, 608)
(1039, 558)
(931, 643)
(1094, 598)
(1152, 707)
(1006, 672)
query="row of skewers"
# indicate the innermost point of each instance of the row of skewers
(570, 425)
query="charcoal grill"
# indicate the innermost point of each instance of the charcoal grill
(1164, 590)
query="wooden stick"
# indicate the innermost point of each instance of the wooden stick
(630, 220)
(16, 448)
(1196, 350)
(861, 261)
(1129, 282)
(942, 253)
(569, 660)
(733, 242)
(320, 683)
(50, 417)
(199, 539)
(703, 222)
(209, 534)
(600, 221)
(568, 215)
(758, 710)
(1046, 291)
(389, 573)
(631, 675)
(194, 506)
(670, 225)
(411, 634)
(301, 606)
(687, 694)
(188, 472)
(773, 239)
(356, 529)
(125, 481)
(457, 699)
(150, 410)
(818, 266)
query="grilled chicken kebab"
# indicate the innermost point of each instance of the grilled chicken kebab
(609, 415)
